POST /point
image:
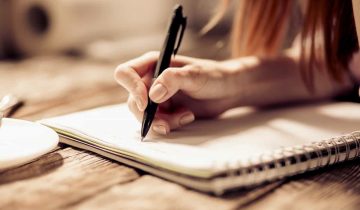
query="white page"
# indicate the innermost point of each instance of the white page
(237, 136)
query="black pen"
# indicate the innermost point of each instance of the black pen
(178, 22)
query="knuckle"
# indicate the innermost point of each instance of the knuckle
(194, 74)
(197, 78)
(189, 71)
(117, 71)
(121, 72)
(171, 74)
(193, 70)
(139, 86)
(151, 54)
(132, 105)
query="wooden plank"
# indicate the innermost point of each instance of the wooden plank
(47, 78)
(102, 97)
(331, 188)
(336, 187)
(57, 85)
(59, 179)
(149, 192)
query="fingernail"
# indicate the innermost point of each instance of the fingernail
(139, 103)
(157, 92)
(160, 129)
(186, 119)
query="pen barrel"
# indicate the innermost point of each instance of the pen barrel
(177, 21)
(165, 55)
(149, 115)
(168, 48)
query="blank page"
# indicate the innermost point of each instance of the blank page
(206, 147)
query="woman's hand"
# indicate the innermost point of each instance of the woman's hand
(189, 88)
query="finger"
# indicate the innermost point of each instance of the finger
(164, 122)
(136, 76)
(160, 126)
(143, 64)
(129, 76)
(187, 78)
(180, 61)
(146, 63)
(134, 109)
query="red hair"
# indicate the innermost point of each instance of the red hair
(328, 37)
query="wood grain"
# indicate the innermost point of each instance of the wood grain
(336, 187)
(59, 179)
(149, 192)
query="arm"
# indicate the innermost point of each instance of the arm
(262, 82)
(193, 88)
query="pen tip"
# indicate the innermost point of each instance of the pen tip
(142, 138)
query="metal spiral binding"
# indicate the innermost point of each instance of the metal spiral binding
(290, 161)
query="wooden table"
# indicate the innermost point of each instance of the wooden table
(70, 178)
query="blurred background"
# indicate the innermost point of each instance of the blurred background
(106, 29)
(59, 56)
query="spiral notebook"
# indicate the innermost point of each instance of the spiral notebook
(243, 147)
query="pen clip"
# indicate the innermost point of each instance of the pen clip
(183, 26)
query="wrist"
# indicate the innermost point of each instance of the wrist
(239, 79)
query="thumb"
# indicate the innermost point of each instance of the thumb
(187, 78)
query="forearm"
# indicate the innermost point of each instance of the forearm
(262, 82)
